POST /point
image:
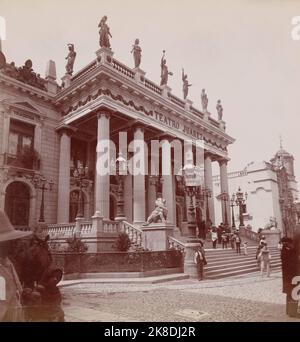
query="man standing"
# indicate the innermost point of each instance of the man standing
(10, 296)
(200, 260)
(238, 242)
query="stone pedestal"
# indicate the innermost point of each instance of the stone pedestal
(155, 236)
(188, 104)
(206, 115)
(78, 221)
(272, 236)
(189, 265)
(40, 230)
(184, 229)
(104, 55)
(165, 91)
(66, 80)
(222, 125)
(139, 75)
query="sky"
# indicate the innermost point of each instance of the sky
(239, 51)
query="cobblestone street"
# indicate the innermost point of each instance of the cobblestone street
(250, 298)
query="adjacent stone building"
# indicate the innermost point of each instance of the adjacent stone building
(271, 190)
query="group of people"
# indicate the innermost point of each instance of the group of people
(225, 237)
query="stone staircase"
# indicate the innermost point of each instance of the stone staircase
(223, 263)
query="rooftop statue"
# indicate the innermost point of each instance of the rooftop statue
(137, 53)
(159, 213)
(204, 100)
(186, 85)
(104, 33)
(219, 110)
(71, 59)
(164, 70)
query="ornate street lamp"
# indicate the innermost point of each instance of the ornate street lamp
(191, 185)
(240, 202)
(41, 183)
(157, 181)
(121, 172)
(225, 198)
(80, 176)
(232, 204)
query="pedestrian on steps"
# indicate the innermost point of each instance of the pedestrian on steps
(245, 247)
(200, 261)
(224, 240)
(238, 242)
(214, 237)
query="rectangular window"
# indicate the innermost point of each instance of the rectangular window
(21, 136)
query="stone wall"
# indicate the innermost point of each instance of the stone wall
(118, 262)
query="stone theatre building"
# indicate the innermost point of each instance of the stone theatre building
(49, 130)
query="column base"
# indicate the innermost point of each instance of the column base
(189, 266)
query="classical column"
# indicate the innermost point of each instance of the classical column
(5, 132)
(139, 195)
(209, 186)
(168, 184)
(128, 197)
(64, 176)
(38, 138)
(224, 190)
(102, 181)
(151, 195)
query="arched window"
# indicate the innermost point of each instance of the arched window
(17, 204)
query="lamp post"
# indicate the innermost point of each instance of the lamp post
(121, 171)
(224, 199)
(232, 204)
(240, 201)
(41, 183)
(157, 181)
(80, 175)
(191, 186)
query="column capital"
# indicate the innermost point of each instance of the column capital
(208, 155)
(138, 127)
(222, 161)
(103, 113)
(65, 129)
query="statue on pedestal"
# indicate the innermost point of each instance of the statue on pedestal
(186, 85)
(71, 59)
(204, 100)
(137, 53)
(219, 108)
(104, 33)
(164, 70)
(159, 213)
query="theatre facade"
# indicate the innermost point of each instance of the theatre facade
(50, 132)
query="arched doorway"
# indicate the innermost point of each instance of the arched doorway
(17, 204)
(112, 207)
(74, 196)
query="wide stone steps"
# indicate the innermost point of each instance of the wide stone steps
(227, 263)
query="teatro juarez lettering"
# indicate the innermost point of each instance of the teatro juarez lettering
(176, 124)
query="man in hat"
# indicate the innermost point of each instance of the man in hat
(10, 296)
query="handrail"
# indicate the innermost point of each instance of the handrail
(250, 234)
(177, 244)
(134, 233)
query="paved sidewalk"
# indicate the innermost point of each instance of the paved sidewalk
(249, 298)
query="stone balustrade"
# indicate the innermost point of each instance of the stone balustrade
(134, 233)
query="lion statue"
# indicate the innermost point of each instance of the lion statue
(271, 224)
(159, 214)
